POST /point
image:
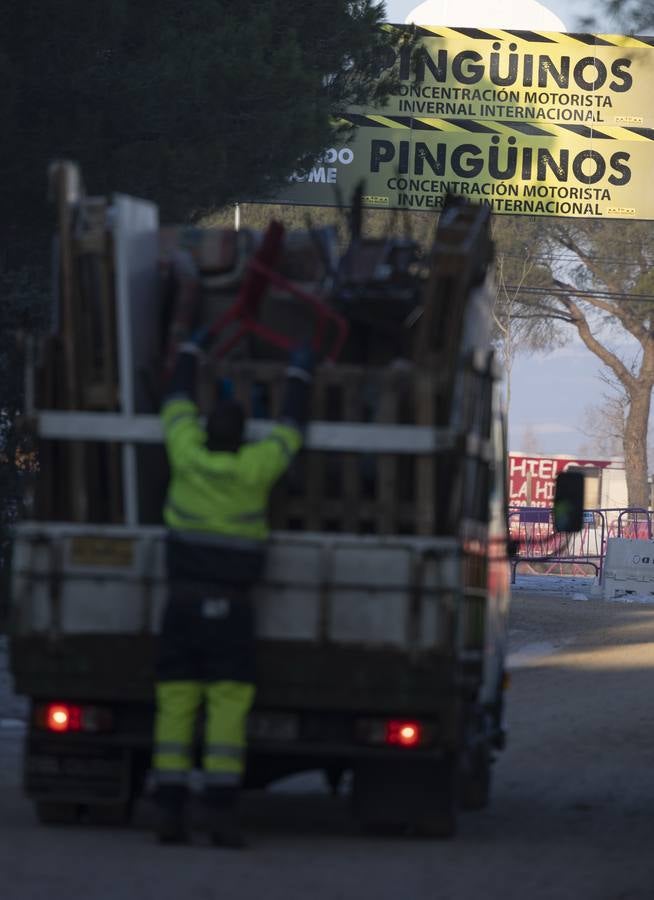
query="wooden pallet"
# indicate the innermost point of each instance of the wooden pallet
(79, 371)
(347, 492)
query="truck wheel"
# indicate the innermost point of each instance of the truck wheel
(439, 819)
(56, 813)
(334, 777)
(476, 778)
(408, 796)
(440, 824)
(109, 814)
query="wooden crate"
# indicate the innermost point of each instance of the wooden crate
(360, 493)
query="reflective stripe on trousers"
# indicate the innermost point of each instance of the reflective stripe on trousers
(228, 704)
(178, 702)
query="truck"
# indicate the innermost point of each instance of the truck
(382, 614)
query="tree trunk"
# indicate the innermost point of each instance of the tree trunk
(635, 444)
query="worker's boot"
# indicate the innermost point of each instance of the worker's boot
(224, 827)
(171, 803)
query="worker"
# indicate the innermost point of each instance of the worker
(216, 513)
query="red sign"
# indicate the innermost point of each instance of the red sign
(532, 478)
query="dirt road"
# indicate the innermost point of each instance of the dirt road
(572, 816)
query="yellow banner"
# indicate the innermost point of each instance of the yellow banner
(553, 172)
(526, 77)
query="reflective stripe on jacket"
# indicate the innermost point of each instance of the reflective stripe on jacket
(220, 492)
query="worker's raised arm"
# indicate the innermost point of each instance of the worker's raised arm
(268, 459)
(179, 413)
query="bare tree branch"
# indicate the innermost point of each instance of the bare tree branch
(608, 358)
(574, 262)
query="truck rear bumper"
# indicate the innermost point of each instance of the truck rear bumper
(64, 771)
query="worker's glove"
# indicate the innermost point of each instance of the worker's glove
(198, 342)
(301, 362)
(202, 337)
(225, 390)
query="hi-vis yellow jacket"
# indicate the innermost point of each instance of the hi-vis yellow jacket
(218, 492)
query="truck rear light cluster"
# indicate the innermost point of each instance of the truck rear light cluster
(395, 732)
(65, 718)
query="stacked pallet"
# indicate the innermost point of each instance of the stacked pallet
(398, 367)
(361, 493)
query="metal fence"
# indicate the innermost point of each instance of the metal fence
(631, 523)
(543, 551)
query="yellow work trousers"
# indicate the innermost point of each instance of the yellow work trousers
(227, 707)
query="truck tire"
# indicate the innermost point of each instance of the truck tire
(476, 778)
(416, 797)
(56, 813)
(109, 814)
(439, 820)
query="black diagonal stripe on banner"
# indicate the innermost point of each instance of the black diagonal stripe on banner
(402, 120)
(363, 121)
(592, 39)
(473, 126)
(476, 34)
(645, 39)
(525, 128)
(425, 32)
(531, 36)
(643, 132)
(586, 132)
(418, 126)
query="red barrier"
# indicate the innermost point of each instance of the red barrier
(532, 528)
(538, 544)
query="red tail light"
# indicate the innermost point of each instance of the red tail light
(397, 732)
(403, 734)
(62, 717)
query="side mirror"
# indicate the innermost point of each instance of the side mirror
(569, 502)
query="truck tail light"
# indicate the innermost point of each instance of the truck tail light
(60, 717)
(403, 734)
(396, 732)
(65, 718)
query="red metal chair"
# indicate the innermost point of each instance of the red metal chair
(244, 312)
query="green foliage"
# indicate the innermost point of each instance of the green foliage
(23, 310)
(190, 105)
(611, 261)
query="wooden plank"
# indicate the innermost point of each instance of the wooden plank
(68, 188)
(387, 412)
(109, 369)
(425, 466)
(314, 471)
(351, 463)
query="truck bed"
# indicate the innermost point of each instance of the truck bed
(343, 621)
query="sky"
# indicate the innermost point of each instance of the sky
(569, 11)
(551, 395)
